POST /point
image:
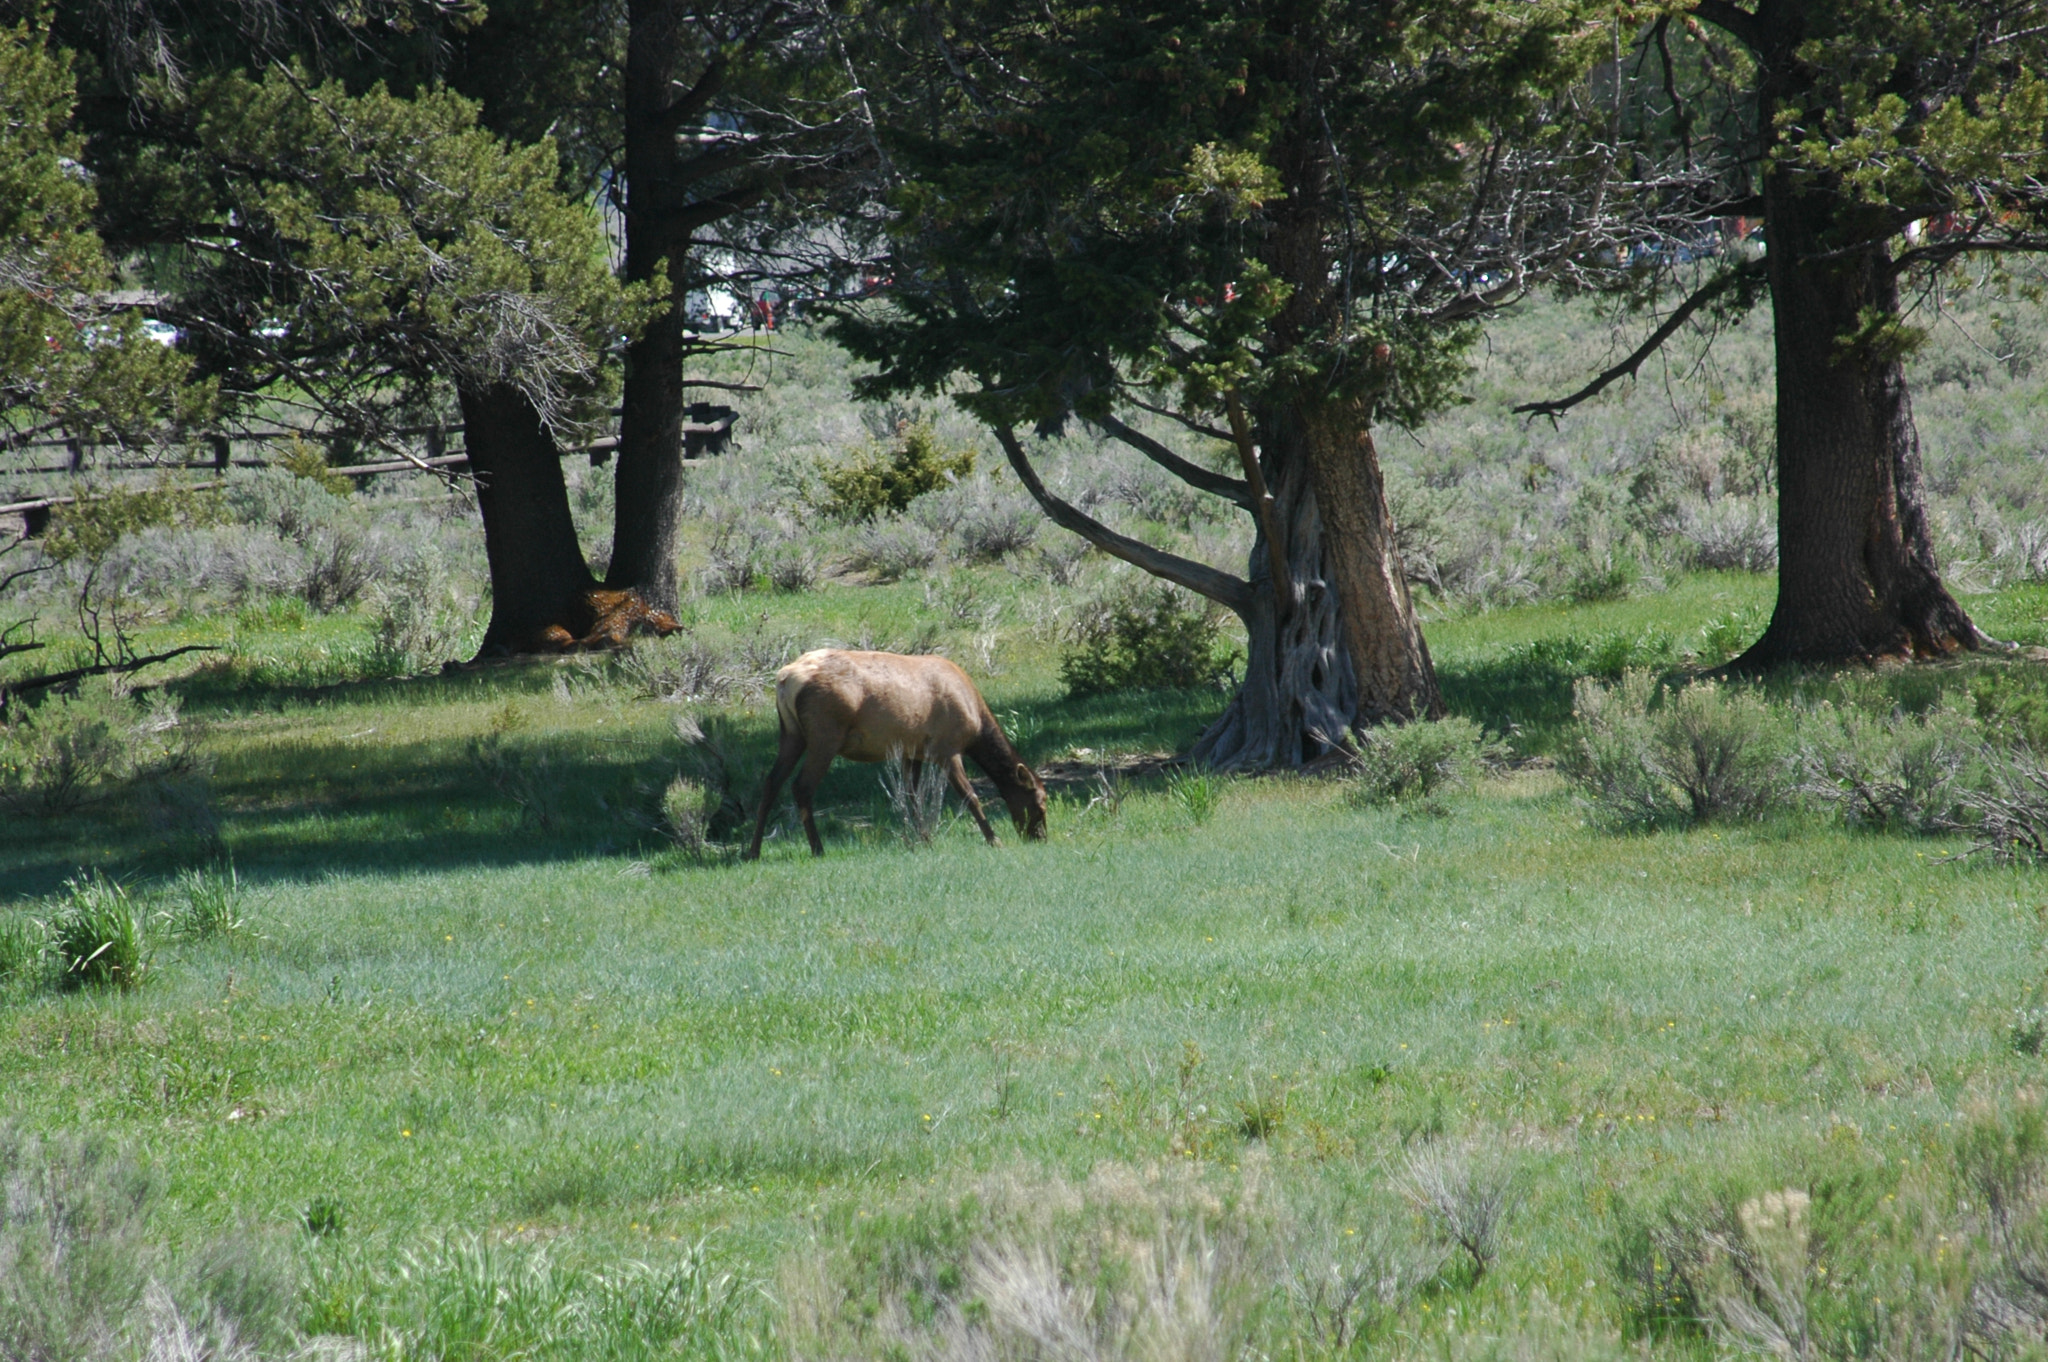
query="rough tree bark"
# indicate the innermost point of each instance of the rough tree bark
(1396, 679)
(538, 576)
(1299, 696)
(1857, 578)
(650, 454)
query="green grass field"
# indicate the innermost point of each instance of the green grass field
(442, 1024)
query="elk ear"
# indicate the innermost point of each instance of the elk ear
(1024, 774)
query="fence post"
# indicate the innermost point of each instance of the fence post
(76, 449)
(220, 452)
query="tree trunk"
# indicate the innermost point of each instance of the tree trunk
(538, 576)
(648, 505)
(1396, 679)
(1857, 578)
(1300, 694)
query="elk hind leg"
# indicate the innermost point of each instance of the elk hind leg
(788, 752)
(806, 789)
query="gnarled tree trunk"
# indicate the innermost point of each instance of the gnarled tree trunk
(1396, 679)
(1299, 696)
(538, 576)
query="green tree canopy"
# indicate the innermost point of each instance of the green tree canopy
(1269, 225)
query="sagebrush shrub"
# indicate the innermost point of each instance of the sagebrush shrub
(993, 530)
(1418, 760)
(687, 808)
(2010, 809)
(73, 750)
(421, 617)
(883, 479)
(71, 1237)
(1901, 772)
(893, 549)
(1145, 638)
(1645, 756)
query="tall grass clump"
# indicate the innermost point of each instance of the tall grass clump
(1646, 756)
(97, 935)
(467, 1298)
(917, 797)
(22, 943)
(1196, 794)
(1418, 761)
(206, 903)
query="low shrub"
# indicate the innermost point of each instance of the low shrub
(2009, 811)
(793, 567)
(893, 550)
(518, 771)
(74, 750)
(97, 936)
(1146, 638)
(1645, 756)
(884, 478)
(341, 564)
(71, 1236)
(678, 668)
(993, 530)
(917, 796)
(687, 810)
(421, 618)
(1898, 772)
(1418, 760)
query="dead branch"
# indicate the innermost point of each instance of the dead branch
(1706, 293)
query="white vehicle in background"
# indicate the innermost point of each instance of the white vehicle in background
(715, 309)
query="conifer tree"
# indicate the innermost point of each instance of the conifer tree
(1233, 237)
(1881, 143)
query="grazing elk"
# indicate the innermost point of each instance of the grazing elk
(870, 706)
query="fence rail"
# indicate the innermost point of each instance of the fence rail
(707, 433)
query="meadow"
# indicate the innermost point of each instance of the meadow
(440, 1048)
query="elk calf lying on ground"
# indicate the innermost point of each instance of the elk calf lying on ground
(870, 706)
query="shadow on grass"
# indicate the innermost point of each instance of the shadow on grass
(299, 810)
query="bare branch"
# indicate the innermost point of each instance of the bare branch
(1680, 315)
(34, 683)
(1233, 593)
(1193, 474)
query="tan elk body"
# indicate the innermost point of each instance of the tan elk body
(871, 706)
